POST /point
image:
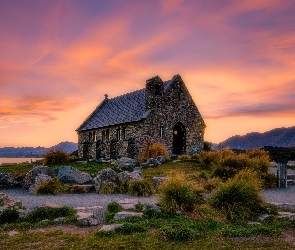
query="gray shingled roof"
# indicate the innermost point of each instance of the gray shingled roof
(122, 109)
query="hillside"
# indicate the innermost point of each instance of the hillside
(279, 137)
(69, 147)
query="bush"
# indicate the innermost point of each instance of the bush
(153, 151)
(51, 186)
(184, 157)
(178, 194)
(50, 213)
(177, 233)
(76, 189)
(8, 216)
(269, 180)
(55, 157)
(129, 228)
(107, 188)
(239, 197)
(212, 184)
(114, 207)
(141, 188)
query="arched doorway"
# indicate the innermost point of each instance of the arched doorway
(85, 151)
(179, 140)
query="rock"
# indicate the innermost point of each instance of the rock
(49, 206)
(176, 161)
(283, 205)
(125, 163)
(153, 162)
(7, 180)
(39, 179)
(105, 176)
(6, 202)
(112, 227)
(59, 219)
(263, 217)
(128, 203)
(157, 180)
(286, 215)
(254, 223)
(123, 215)
(30, 177)
(72, 176)
(161, 159)
(155, 208)
(99, 211)
(87, 219)
(4, 199)
(113, 162)
(12, 233)
(127, 176)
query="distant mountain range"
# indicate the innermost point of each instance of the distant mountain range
(69, 147)
(278, 137)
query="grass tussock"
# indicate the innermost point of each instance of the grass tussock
(239, 197)
(53, 186)
(55, 157)
(178, 194)
(153, 151)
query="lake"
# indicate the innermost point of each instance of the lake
(17, 160)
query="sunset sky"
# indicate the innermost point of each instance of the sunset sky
(58, 58)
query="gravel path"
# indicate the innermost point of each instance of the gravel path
(73, 200)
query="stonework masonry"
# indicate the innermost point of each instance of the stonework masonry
(170, 117)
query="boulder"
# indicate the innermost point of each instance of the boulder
(125, 163)
(128, 203)
(112, 227)
(39, 179)
(72, 176)
(157, 180)
(105, 176)
(6, 202)
(127, 176)
(30, 177)
(7, 180)
(99, 212)
(87, 219)
(153, 161)
(123, 215)
(161, 159)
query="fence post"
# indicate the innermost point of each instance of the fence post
(282, 172)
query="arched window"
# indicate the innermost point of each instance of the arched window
(158, 89)
(107, 134)
(90, 137)
(103, 135)
(118, 134)
(123, 133)
(161, 131)
(94, 136)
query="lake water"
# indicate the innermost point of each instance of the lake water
(17, 160)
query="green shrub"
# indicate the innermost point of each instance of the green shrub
(55, 157)
(122, 187)
(269, 180)
(107, 188)
(50, 213)
(178, 194)
(239, 197)
(129, 228)
(8, 216)
(184, 157)
(212, 184)
(76, 189)
(141, 188)
(114, 207)
(51, 186)
(153, 151)
(177, 233)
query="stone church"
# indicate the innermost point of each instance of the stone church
(162, 112)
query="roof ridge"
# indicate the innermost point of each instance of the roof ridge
(126, 94)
